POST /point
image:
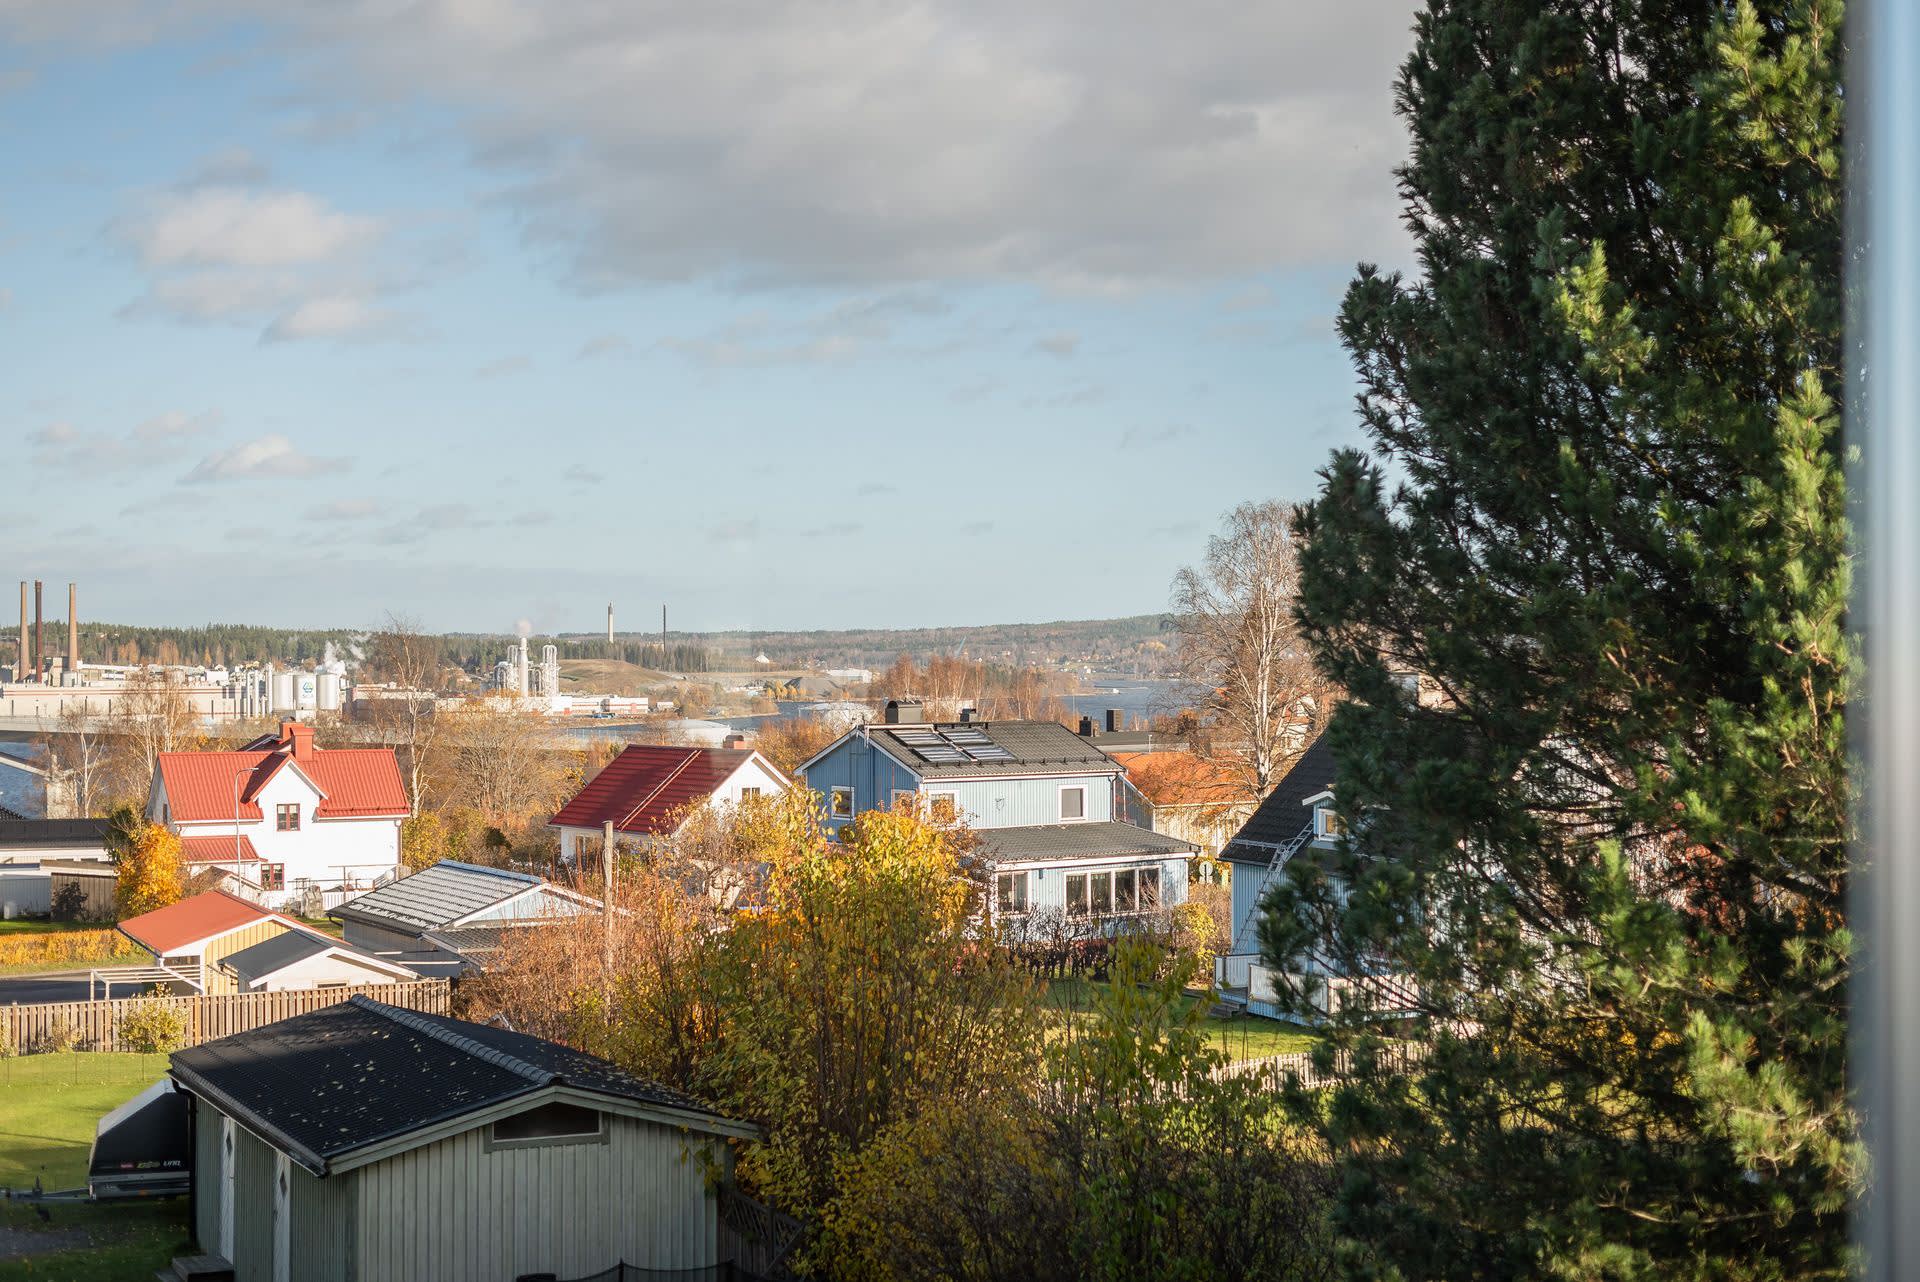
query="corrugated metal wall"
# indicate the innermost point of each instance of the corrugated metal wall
(1019, 803)
(454, 1212)
(252, 1208)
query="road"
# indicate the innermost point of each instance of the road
(64, 986)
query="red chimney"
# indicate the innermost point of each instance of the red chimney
(300, 737)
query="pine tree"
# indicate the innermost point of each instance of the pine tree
(1602, 512)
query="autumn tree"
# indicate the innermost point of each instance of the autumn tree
(789, 742)
(858, 997)
(502, 758)
(1253, 675)
(151, 873)
(407, 658)
(1601, 506)
(150, 716)
(79, 761)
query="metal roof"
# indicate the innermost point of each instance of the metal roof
(283, 950)
(319, 1086)
(18, 833)
(1087, 841)
(1030, 748)
(436, 896)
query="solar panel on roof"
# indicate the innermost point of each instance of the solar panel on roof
(942, 755)
(916, 736)
(988, 752)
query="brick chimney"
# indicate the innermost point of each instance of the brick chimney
(300, 737)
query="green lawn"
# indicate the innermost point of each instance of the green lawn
(1240, 1036)
(43, 926)
(122, 1242)
(49, 1105)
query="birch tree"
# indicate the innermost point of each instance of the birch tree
(1233, 614)
(406, 656)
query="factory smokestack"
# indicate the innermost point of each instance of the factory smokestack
(20, 663)
(39, 621)
(72, 675)
(609, 623)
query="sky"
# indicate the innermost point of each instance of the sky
(848, 313)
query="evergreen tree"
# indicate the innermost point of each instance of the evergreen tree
(1602, 513)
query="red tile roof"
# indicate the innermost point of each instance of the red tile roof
(1182, 779)
(171, 929)
(647, 787)
(354, 783)
(216, 850)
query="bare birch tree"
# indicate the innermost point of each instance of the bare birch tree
(151, 716)
(77, 764)
(404, 655)
(1233, 615)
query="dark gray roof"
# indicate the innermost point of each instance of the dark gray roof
(1033, 748)
(1284, 814)
(282, 950)
(1090, 841)
(19, 833)
(322, 1085)
(434, 896)
(481, 940)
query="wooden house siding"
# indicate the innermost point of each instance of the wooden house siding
(217, 982)
(252, 1208)
(872, 774)
(452, 1211)
(323, 1231)
(1025, 801)
(206, 1176)
(96, 889)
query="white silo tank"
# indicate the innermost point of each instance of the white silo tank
(285, 691)
(329, 692)
(306, 690)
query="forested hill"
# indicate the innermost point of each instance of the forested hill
(1135, 644)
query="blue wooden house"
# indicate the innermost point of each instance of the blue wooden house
(1298, 819)
(1043, 801)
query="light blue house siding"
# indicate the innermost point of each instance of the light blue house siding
(1013, 802)
(855, 763)
(1047, 886)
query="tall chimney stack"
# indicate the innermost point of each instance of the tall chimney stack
(663, 636)
(72, 675)
(39, 620)
(609, 623)
(20, 664)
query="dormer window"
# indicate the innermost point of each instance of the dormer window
(1327, 823)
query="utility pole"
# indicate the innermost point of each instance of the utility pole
(39, 651)
(606, 903)
(663, 638)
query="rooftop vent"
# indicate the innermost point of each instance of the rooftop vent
(905, 712)
(1114, 725)
(1086, 727)
(968, 716)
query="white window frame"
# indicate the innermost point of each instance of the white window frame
(833, 802)
(1080, 788)
(1326, 823)
(904, 794)
(1020, 878)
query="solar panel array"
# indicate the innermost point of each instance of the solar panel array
(956, 746)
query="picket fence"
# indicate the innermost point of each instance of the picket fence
(95, 1026)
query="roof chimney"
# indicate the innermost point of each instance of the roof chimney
(905, 712)
(734, 740)
(967, 715)
(1086, 727)
(1113, 721)
(299, 737)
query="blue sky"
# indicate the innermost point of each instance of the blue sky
(791, 315)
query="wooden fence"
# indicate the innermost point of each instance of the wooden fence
(1275, 1069)
(95, 1026)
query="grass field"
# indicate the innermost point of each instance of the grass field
(1240, 1037)
(49, 1105)
(42, 926)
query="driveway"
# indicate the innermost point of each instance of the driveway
(64, 986)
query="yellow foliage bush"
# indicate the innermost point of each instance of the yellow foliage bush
(62, 947)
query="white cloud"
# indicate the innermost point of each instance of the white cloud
(1085, 144)
(232, 226)
(157, 440)
(1061, 345)
(331, 316)
(266, 457)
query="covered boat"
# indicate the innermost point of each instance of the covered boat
(143, 1148)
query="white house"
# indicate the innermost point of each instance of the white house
(283, 818)
(650, 789)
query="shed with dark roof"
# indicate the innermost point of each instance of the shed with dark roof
(396, 916)
(366, 1141)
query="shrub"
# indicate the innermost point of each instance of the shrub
(57, 1040)
(151, 1027)
(69, 902)
(66, 948)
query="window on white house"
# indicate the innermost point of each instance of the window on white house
(1076, 894)
(749, 792)
(286, 817)
(942, 807)
(1125, 898)
(273, 876)
(554, 1121)
(840, 803)
(1012, 893)
(1073, 803)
